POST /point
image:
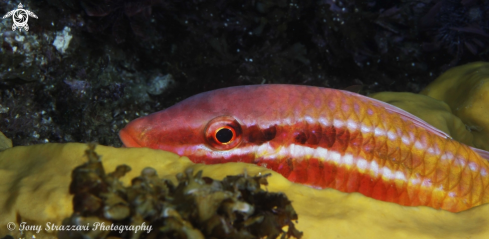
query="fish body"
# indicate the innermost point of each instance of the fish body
(324, 138)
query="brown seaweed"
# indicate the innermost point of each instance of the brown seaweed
(197, 207)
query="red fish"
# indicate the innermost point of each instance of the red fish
(324, 138)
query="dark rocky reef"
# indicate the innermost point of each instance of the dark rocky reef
(87, 67)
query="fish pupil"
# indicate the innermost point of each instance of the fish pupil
(224, 135)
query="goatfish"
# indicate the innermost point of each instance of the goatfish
(324, 138)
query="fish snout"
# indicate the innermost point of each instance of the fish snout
(129, 136)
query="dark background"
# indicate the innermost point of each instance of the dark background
(121, 51)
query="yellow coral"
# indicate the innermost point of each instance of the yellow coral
(466, 90)
(35, 179)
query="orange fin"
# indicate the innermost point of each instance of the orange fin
(408, 116)
(484, 154)
(417, 121)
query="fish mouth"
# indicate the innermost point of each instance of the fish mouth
(128, 140)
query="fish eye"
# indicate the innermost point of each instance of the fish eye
(223, 133)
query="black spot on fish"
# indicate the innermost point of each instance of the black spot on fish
(300, 137)
(256, 135)
(328, 137)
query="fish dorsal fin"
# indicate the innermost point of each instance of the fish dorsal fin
(410, 117)
(484, 154)
(421, 123)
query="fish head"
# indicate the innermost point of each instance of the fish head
(212, 127)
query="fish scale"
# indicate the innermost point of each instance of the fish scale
(324, 138)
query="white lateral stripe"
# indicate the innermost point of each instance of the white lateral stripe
(295, 151)
(379, 132)
(352, 125)
(391, 135)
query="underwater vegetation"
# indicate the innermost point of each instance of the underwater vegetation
(197, 207)
(120, 16)
(459, 27)
(272, 41)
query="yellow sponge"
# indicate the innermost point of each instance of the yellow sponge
(5, 142)
(35, 179)
(466, 91)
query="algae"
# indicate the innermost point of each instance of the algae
(196, 207)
